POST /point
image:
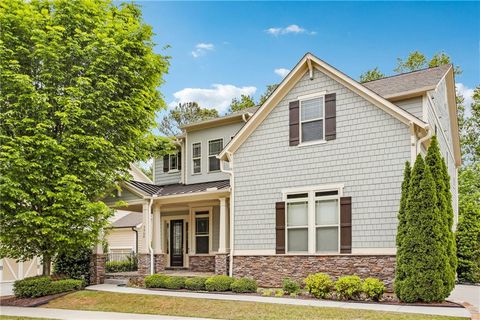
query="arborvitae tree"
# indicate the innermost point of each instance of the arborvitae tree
(437, 167)
(468, 242)
(423, 258)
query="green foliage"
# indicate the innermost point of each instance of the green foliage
(244, 285)
(267, 93)
(75, 265)
(415, 61)
(290, 286)
(371, 75)
(319, 285)
(373, 288)
(279, 293)
(78, 90)
(468, 242)
(243, 103)
(43, 286)
(471, 131)
(422, 258)
(175, 282)
(183, 114)
(155, 281)
(195, 283)
(440, 59)
(348, 287)
(267, 292)
(121, 266)
(219, 283)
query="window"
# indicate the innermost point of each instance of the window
(201, 233)
(214, 148)
(197, 157)
(173, 162)
(311, 119)
(313, 222)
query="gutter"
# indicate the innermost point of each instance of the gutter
(136, 239)
(231, 208)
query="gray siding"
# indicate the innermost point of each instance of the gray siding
(226, 132)
(125, 196)
(367, 156)
(162, 178)
(413, 106)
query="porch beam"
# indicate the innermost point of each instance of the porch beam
(222, 246)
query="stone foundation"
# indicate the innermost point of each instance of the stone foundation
(221, 263)
(143, 264)
(269, 271)
(97, 268)
(201, 263)
(159, 262)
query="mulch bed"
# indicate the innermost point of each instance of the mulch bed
(29, 302)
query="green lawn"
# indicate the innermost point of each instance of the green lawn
(150, 304)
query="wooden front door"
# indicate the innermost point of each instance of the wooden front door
(176, 243)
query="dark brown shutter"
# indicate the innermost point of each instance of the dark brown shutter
(280, 227)
(346, 225)
(330, 116)
(179, 159)
(294, 122)
(165, 163)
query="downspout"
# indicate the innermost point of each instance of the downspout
(134, 229)
(425, 138)
(149, 234)
(231, 208)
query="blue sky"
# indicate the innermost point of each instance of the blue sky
(220, 50)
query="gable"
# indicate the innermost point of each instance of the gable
(125, 195)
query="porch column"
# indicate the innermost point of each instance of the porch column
(157, 231)
(143, 254)
(222, 245)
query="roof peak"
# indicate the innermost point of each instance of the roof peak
(446, 66)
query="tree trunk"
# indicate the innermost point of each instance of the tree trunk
(47, 263)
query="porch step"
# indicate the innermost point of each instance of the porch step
(116, 281)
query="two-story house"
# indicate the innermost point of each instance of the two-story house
(308, 182)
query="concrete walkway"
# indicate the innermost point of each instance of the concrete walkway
(467, 293)
(442, 311)
(82, 315)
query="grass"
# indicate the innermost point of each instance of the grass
(233, 310)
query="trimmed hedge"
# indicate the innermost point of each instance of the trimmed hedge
(196, 283)
(244, 285)
(319, 285)
(35, 287)
(175, 282)
(348, 287)
(155, 281)
(373, 288)
(120, 266)
(218, 283)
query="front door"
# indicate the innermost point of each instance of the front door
(176, 243)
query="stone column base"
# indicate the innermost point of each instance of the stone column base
(97, 268)
(159, 262)
(143, 264)
(221, 263)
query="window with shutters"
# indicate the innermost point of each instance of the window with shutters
(312, 119)
(196, 158)
(214, 148)
(173, 162)
(202, 234)
(312, 221)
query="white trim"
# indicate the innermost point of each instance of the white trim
(265, 252)
(165, 231)
(316, 188)
(355, 252)
(301, 122)
(195, 158)
(140, 173)
(216, 155)
(193, 215)
(313, 95)
(431, 104)
(374, 251)
(172, 169)
(311, 143)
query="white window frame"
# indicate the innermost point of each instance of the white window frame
(209, 155)
(307, 98)
(170, 168)
(312, 226)
(196, 158)
(193, 233)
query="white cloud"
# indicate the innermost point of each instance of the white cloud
(218, 97)
(467, 94)
(282, 72)
(201, 49)
(293, 28)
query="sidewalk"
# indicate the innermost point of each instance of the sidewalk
(441, 311)
(82, 315)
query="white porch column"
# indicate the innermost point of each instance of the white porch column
(143, 237)
(157, 230)
(222, 245)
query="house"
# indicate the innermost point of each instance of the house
(308, 182)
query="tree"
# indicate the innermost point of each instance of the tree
(471, 132)
(243, 103)
(183, 114)
(440, 59)
(267, 93)
(78, 98)
(371, 75)
(422, 259)
(437, 167)
(402, 221)
(415, 61)
(468, 242)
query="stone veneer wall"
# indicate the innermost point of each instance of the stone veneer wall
(97, 268)
(269, 271)
(159, 263)
(143, 264)
(221, 263)
(199, 263)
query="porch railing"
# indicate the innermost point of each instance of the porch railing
(121, 262)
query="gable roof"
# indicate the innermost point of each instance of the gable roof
(306, 64)
(178, 188)
(132, 219)
(226, 119)
(408, 83)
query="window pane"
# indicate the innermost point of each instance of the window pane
(201, 245)
(213, 164)
(312, 109)
(327, 239)
(173, 161)
(298, 239)
(196, 152)
(196, 166)
(326, 212)
(297, 214)
(215, 146)
(312, 130)
(202, 226)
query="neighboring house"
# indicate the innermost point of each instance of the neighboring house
(122, 236)
(309, 182)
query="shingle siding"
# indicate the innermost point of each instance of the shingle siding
(163, 178)
(367, 156)
(413, 106)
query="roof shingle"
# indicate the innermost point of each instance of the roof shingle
(177, 189)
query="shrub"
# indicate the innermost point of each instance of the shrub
(218, 283)
(175, 282)
(348, 287)
(121, 266)
(373, 288)
(468, 242)
(155, 281)
(319, 285)
(244, 285)
(74, 265)
(267, 292)
(279, 293)
(290, 286)
(43, 286)
(196, 283)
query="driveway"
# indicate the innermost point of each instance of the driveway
(467, 293)
(6, 288)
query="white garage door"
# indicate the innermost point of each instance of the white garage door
(10, 270)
